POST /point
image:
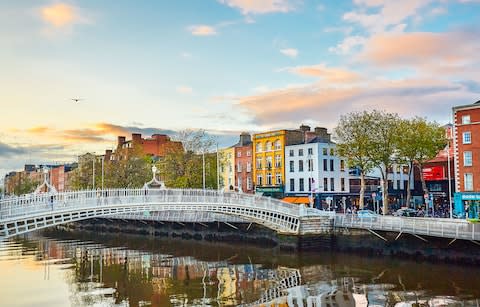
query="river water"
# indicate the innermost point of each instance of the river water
(87, 269)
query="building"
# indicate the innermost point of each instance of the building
(227, 168)
(157, 146)
(436, 175)
(466, 149)
(269, 158)
(244, 163)
(314, 169)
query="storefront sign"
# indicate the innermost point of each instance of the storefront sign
(470, 196)
(433, 173)
(269, 189)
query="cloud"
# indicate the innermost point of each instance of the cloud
(184, 89)
(38, 130)
(388, 14)
(202, 30)
(260, 6)
(320, 103)
(60, 15)
(348, 44)
(447, 51)
(290, 52)
(328, 74)
(8, 150)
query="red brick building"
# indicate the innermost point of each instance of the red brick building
(157, 146)
(243, 163)
(466, 139)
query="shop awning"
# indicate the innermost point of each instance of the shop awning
(297, 199)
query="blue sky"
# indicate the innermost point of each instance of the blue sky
(222, 65)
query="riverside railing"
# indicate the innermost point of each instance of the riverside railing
(38, 203)
(436, 227)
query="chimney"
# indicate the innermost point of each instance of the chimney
(322, 133)
(136, 138)
(245, 138)
(108, 154)
(305, 128)
(121, 140)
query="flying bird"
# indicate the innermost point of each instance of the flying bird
(76, 99)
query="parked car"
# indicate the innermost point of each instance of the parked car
(405, 212)
(366, 213)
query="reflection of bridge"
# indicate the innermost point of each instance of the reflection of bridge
(36, 211)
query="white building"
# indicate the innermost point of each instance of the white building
(318, 160)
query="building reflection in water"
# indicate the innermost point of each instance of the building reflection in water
(105, 275)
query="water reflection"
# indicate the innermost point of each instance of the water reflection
(93, 270)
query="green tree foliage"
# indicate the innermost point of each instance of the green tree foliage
(25, 185)
(184, 169)
(354, 142)
(418, 142)
(383, 153)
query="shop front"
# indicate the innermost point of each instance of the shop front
(467, 205)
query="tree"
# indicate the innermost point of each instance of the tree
(25, 185)
(419, 142)
(354, 142)
(383, 153)
(184, 168)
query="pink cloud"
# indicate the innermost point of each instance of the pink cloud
(328, 74)
(260, 6)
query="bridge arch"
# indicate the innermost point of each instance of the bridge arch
(32, 212)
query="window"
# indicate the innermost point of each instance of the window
(310, 184)
(269, 162)
(300, 165)
(467, 137)
(292, 167)
(332, 184)
(259, 180)
(331, 165)
(239, 183)
(278, 161)
(239, 154)
(249, 183)
(249, 167)
(342, 184)
(259, 162)
(325, 165)
(466, 119)
(239, 167)
(325, 184)
(278, 145)
(467, 158)
(310, 151)
(249, 153)
(269, 178)
(230, 168)
(300, 152)
(342, 165)
(325, 152)
(292, 153)
(269, 146)
(278, 178)
(468, 182)
(301, 188)
(332, 151)
(258, 147)
(310, 165)
(292, 184)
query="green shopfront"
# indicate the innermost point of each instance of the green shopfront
(274, 191)
(467, 205)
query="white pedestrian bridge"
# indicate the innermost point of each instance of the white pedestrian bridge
(31, 212)
(36, 211)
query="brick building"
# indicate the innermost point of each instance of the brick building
(466, 143)
(243, 163)
(156, 146)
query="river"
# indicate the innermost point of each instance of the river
(58, 268)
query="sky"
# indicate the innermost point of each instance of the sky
(225, 66)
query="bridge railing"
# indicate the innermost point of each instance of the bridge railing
(38, 203)
(438, 227)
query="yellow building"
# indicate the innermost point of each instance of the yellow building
(269, 159)
(227, 168)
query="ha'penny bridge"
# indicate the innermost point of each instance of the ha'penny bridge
(32, 212)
